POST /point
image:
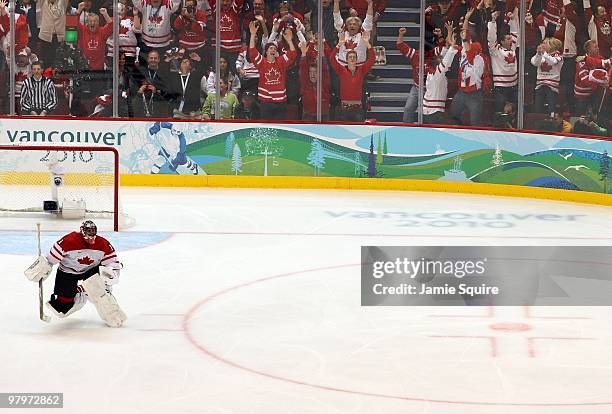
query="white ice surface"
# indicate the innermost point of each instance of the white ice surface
(206, 334)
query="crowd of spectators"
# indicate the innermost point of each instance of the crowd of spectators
(566, 64)
(268, 69)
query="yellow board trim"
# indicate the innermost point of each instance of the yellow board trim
(345, 183)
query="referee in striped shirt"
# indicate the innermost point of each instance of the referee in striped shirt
(37, 93)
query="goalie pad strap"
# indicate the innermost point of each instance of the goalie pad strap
(104, 301)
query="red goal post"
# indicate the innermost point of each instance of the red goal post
(69, 172)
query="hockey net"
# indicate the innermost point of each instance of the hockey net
(62, 184)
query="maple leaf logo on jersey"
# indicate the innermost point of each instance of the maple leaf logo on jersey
(92, 44)
(85, 260)
(226, 23)
(156, 19)
(510, 58)
(273, 76)
(545, 67)
(350, 45)
(605, 29)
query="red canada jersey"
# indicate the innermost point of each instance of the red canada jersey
(272, 75)
(76, 256)
(93, 44)
(229, 26)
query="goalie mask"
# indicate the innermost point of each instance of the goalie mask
(89, 231)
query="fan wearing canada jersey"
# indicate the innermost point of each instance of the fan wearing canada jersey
(80, 255)
(272, 73)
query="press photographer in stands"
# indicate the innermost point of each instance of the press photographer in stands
(151, 98)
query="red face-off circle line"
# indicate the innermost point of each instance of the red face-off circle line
(189, 317)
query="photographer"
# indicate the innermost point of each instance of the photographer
(587, 124)
(150, 98)
(190, 26)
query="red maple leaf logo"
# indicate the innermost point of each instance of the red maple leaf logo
(350, 45)
(545, 67)
(156, 19)
(85, 260)
(510, 58)
(273, 76)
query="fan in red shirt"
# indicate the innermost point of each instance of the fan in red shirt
(92, 38)
(351, 80)
(272, 73)
(309, 82)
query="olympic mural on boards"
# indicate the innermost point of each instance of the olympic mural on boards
(197, 148)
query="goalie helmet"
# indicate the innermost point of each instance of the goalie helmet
(89, 230)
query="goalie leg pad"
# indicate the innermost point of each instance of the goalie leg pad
(104, 301)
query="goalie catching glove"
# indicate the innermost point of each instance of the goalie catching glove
(39, 270)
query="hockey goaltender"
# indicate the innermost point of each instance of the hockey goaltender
(88, 268)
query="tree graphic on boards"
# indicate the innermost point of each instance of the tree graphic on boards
(371, 159)
(236, 159)
(604, 170)
(263, 141)
(379, 154)
(358, 169)
(385, 147)
(229, 144)
(316, 158)
(497, 157)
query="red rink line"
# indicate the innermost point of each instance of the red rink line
(190, 315)
(531, 342)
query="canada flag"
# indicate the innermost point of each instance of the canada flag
(86, 260)
(272, 76)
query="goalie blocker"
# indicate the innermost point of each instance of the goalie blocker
(88, 267)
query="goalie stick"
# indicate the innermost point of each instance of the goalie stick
(41, 312)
